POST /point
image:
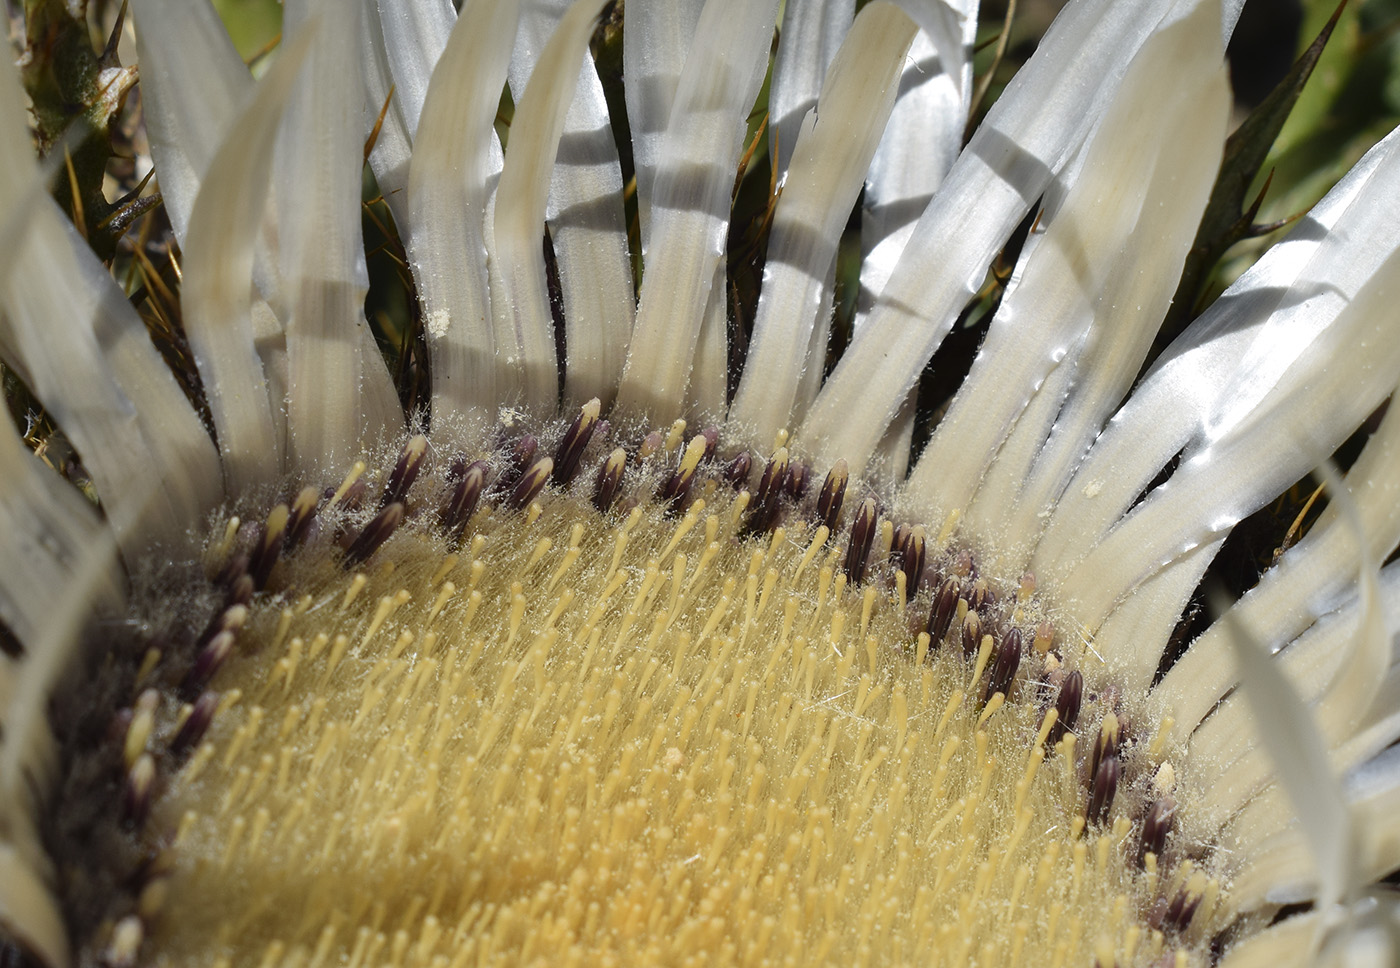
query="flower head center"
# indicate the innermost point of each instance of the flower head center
(687, 728)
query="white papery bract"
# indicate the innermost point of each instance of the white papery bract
(1045, 460)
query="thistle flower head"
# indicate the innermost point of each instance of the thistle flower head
(614, 623)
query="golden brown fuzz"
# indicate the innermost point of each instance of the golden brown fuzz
(638, 739)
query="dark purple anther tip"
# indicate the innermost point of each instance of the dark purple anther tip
(374, 534)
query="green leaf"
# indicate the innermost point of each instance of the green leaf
(1229, 216)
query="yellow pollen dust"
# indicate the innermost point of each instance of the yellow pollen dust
(633, 739)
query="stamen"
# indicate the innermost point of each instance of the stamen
(230, 619)
(138, 732)
(1026, 590)
(675, 435)
(736, 473)
(530, 484)
(1067, 706)
(374, 534)
(196, 723)
(940, 616)
(798, 476)
(674, 491)
(137, 791)
(980, 595)
(1008, 660)
(1106, 744)
(206, 663)
(269, 547)
(468, 481)
(1104, 771)
(522, 455)
(862, 537)
(1155, 828)
(897, 542)
(912, 560)
(1105, 786)
(763, 515)
(240, 592)
(609, 479)
(347, 485)
(233, 566)
(971, 629)
(570, 450)
(833, 493)
(127, 935)
(405, 471)
(302, 516)
(651, 443)
(1183, 906)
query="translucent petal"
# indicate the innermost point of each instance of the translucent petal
(811, 33)
(392, 150)
(920, 143)
(1005, 500)
(1020, 494)
(72, 336)
(1278, 867)
(1311, 663)
(1366, 938)
(29, 912)
(336, 398)
(402, 41)
(809, 383)
(709, 371)
(415, 35)
(46, 524)
(193, 83)
(1302, 766)
(1132, 638)
(654, 48)
(29, 757)
(586, 222)
(1304, 584)
(1324, 666)
(829, 162)
(690, 205)
(1246, 461)
(1109, 259)
(217, 294)
(456, 160)
(67, 565)
(519, 294)
(1270, 317)
(1031, 132)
